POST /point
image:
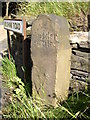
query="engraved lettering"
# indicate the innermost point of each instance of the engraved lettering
(44, 39)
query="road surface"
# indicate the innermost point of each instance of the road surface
(3, 47)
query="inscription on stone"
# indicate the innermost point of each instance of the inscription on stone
(45, 39)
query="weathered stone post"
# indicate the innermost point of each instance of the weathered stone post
(51, 52)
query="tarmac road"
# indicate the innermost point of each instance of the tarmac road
(3, 47)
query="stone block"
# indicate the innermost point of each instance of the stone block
(51, 54)
(78, 62)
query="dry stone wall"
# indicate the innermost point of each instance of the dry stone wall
(80, 60)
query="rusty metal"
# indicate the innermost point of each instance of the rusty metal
(24, 49)
(9, 45)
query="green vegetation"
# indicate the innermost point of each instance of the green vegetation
(22, 105)
(67, 9)
(75, 12)
(1, 19)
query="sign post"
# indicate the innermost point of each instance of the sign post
(9, 45)
(18, 26)
(24, 49)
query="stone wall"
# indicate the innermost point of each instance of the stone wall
(80, 60)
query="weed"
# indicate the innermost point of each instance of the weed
(67, 9)
(24, 106)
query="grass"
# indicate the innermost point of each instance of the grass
(22, 105)
(67, 9)
(75, 12)
(1, 19)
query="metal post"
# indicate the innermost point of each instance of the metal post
(24, 49)
(9, 46)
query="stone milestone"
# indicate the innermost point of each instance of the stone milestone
(51, 54)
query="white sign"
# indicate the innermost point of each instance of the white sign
(14, 25)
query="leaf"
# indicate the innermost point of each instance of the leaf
(77, 114)
(21, 87)
(19, 81)
(17, 90)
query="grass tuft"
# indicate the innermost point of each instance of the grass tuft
(24, 106)
(66, 9)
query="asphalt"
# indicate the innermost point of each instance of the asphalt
(3, 47)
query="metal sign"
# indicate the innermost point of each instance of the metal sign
(19, 26)
(14, 25)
